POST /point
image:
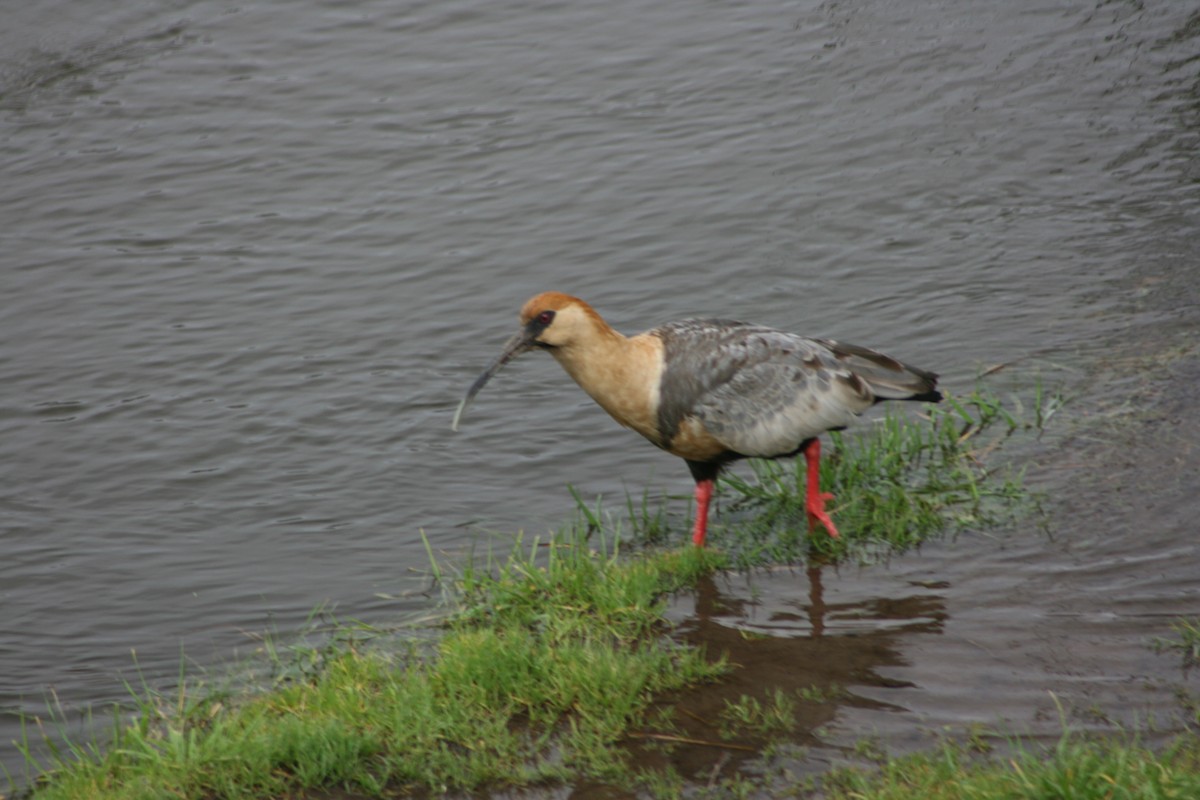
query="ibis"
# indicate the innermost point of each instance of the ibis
(713, 391)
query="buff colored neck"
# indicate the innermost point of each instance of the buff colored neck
(620, 373)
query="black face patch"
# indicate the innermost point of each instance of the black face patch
(536, 326)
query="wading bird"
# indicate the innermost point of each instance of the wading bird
(712, 391)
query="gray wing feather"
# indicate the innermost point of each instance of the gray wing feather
(769, 409)
(759, 391)
(887, 378)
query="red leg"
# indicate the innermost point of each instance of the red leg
(704, 490)
(814, 499)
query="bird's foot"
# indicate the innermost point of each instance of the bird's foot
(817, 513)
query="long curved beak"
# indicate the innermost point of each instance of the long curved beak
(521, 342)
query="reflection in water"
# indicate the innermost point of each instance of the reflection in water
(790, 642)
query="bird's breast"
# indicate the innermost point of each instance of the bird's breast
(623, 378)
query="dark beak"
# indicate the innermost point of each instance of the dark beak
(521, 342)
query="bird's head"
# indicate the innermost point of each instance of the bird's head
(553, 319)
(549, 321)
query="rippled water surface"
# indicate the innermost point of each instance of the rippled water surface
(251, 256)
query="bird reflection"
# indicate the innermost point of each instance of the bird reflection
(778, 636)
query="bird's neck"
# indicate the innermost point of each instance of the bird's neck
(620, 373)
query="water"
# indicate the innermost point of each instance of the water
(253, 255)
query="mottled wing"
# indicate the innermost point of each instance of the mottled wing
(771, 406)
(758, 391)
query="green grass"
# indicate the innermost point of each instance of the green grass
(896, 482)
(1073, 769)
(775, 717)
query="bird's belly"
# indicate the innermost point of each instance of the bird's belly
(695, 443)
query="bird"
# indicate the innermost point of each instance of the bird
(713, 391)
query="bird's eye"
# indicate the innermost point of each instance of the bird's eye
(545, 318)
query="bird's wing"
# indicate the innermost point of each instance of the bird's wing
(887, 378)
(758, 391)
(770, 408)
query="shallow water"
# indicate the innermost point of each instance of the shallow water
(253, 255)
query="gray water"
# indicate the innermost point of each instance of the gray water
(252, 255)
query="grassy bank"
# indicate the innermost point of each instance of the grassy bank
(548, 658)
(554, 658)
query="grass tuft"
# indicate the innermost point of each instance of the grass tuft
(775, 717)
(896, 484)
(1073, 769)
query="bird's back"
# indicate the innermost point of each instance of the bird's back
(762, 392)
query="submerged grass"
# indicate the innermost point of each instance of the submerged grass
(1187, 643)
